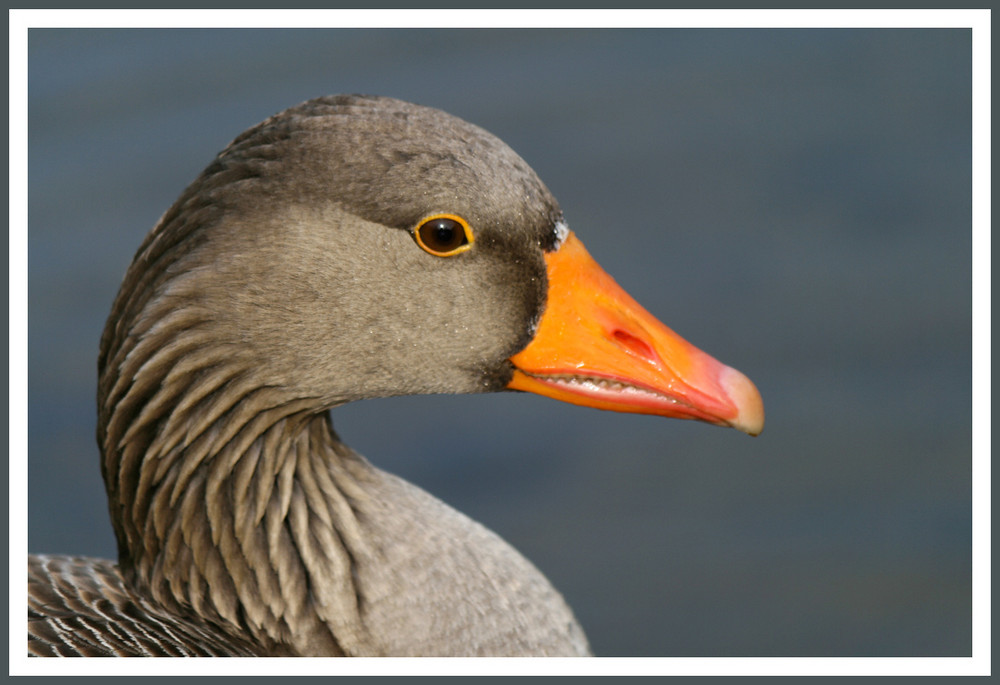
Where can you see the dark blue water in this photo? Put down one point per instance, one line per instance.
(795, 202)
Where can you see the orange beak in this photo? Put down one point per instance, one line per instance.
(597, 347)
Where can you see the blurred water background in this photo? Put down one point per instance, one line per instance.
(795, 202)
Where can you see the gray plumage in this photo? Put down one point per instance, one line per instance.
(284, 282)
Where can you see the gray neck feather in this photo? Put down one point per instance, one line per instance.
(231, 500)
(234, 502)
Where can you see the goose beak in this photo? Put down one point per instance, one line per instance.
(597, 347)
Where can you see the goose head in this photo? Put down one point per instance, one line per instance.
(356, 247)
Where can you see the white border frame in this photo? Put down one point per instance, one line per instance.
(980, 663)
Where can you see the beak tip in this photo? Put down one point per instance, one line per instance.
(747, 400)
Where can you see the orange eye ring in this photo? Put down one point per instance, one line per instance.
(444, 235)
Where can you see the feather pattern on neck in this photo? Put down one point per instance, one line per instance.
(231, 500)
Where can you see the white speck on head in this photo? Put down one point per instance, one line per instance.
(533, 326)
(562, 231)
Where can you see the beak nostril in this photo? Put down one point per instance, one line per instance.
(635, 345)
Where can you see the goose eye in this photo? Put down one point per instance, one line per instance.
(444, 235)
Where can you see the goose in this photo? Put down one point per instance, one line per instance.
(348, 247)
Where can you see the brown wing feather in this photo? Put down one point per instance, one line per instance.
(80, 607)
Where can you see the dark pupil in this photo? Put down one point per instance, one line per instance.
(442, 234)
